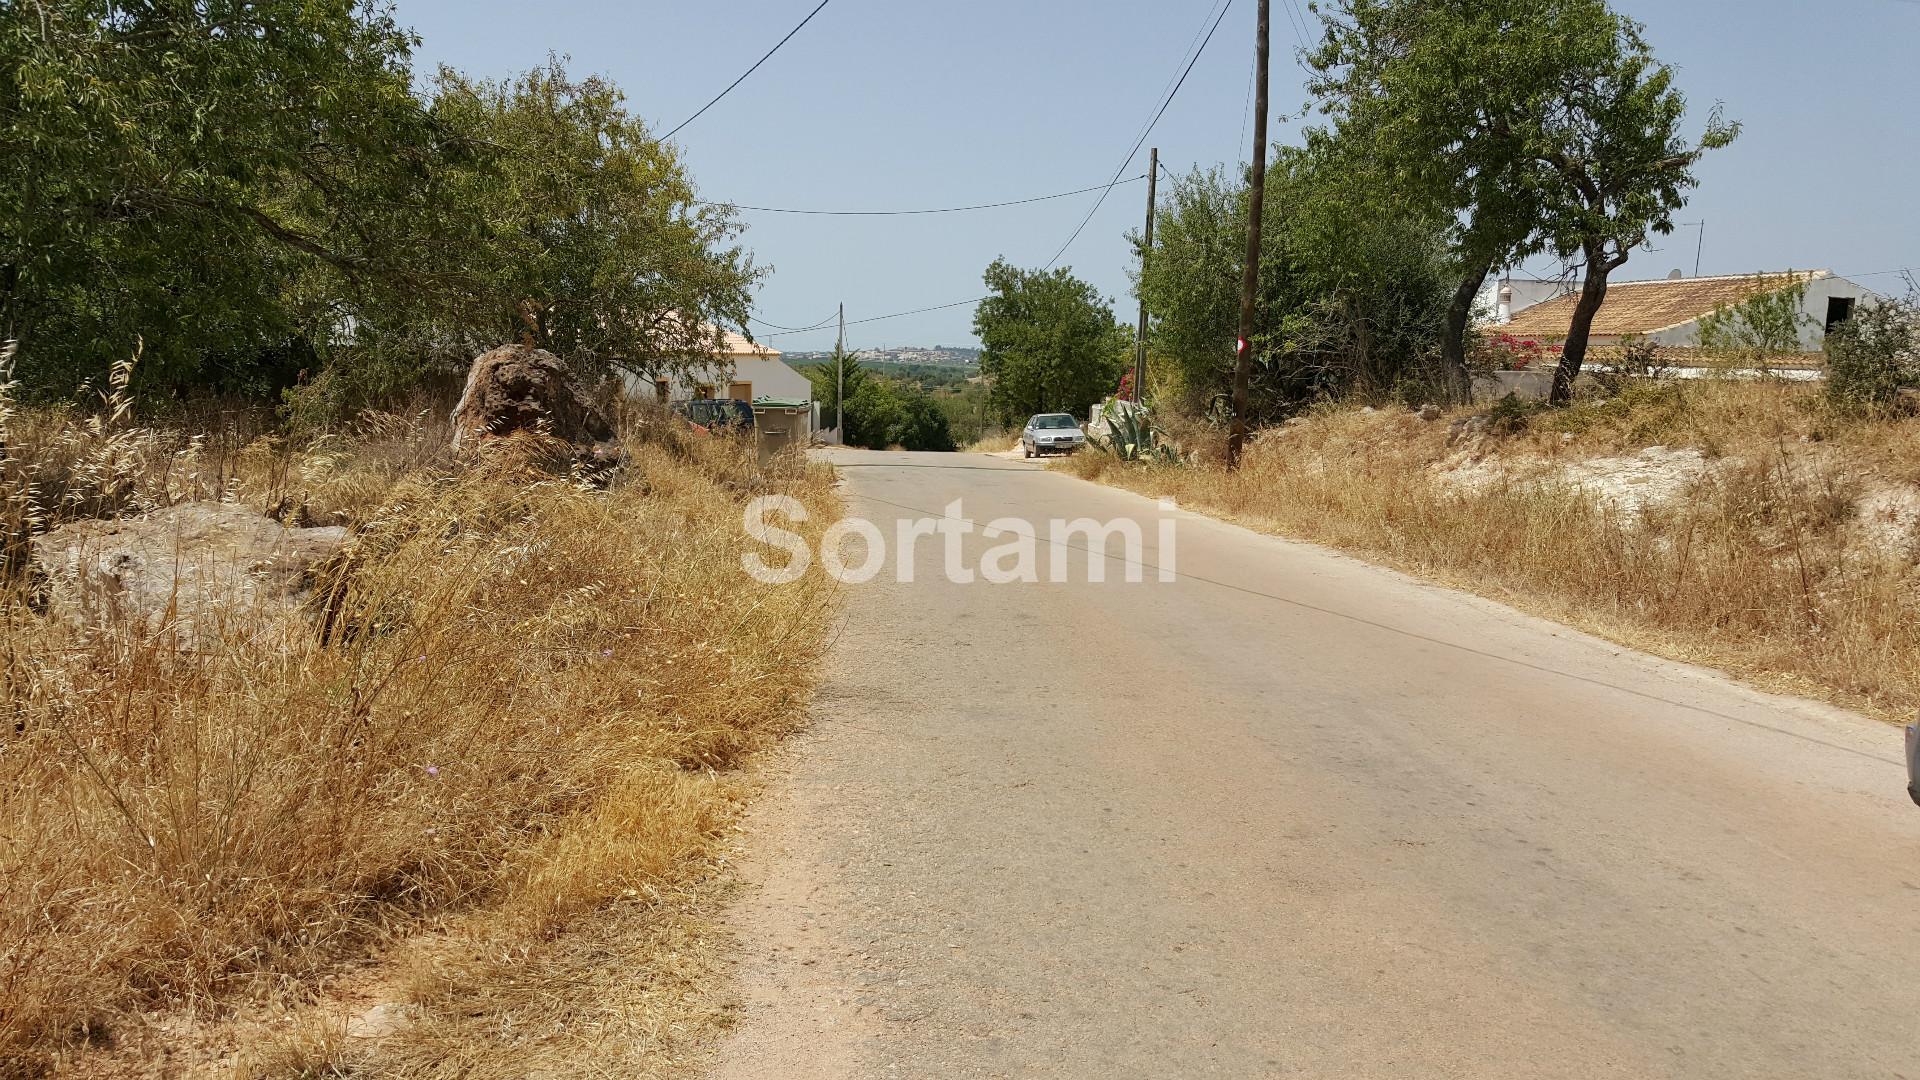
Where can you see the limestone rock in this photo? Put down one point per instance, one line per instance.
(202, 560)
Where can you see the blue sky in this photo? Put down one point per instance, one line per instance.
(888, 104)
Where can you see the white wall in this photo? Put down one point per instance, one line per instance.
(770, 376)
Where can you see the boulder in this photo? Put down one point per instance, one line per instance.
(517, 388)
(200, 559)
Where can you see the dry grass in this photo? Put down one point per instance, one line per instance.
(1765, 567)
(993, 441)
(520, 742)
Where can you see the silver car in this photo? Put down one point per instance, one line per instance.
(1052, 433)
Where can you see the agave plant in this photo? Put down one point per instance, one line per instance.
(1127, 432)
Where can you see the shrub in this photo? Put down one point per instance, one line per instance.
(1876, 354)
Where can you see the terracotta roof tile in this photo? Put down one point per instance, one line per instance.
(1643, 307)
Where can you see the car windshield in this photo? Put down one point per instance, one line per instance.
(1055, 420)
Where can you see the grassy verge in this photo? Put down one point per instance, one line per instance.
(1785, 556)
(993, 441)
(518, 751)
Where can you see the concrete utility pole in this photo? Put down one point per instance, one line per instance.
(1250, 280)
(840, 380)
(1146, 249)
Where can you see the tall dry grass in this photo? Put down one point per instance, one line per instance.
(522, 723)
(1767, 565)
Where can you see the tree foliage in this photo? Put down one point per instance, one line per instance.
(880, 413)
(250, 191)
(1767, 323)
(1540, 125)
(596, 249)
(1875, 354)
(1353, 283)
(211, 178)
(1048, 342)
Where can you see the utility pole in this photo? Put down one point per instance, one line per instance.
(840, 379)
(1250, 280)
(1146, 250)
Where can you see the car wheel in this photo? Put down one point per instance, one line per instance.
(1026, 451)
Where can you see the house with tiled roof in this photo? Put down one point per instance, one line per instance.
(742, 370)
(1669, 311)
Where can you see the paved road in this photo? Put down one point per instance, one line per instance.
(1292, 815)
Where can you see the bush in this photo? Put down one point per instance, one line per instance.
(1876, 354)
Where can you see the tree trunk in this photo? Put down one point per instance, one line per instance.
(1453, 342)
(1592, 293)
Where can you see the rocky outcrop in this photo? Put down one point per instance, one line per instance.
(517, 388)
(199, 561)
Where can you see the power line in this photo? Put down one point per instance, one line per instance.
(936, 210)
(894, 315)
(1131, 154)
(828, 321)
(1148, 130)
(743, 76)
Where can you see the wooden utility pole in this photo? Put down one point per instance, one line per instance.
(1146, 250)
(840, 379)
(1250, 279)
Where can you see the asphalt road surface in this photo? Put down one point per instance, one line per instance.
(1294, 815)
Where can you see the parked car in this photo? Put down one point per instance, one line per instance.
(717, 414)
(1052, 433)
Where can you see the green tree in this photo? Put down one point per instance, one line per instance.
(866, 424)
(1385, 73)
(592, 245)
(880, 413)
(1049, 342)
(1874, 355)
(218, 179)
(1767, 323)
(923, 423)
(1542, 125)
(1353, 289)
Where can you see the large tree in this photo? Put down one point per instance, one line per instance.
(1353, 283)
(594, 245)
(214, 178)
(1540, 124)
(250, 190)
(1048, 342)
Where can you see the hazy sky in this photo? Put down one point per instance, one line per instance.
(894, 104)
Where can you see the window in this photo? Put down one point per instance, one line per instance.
(660, 389)
(1839, 310)
(740, 391)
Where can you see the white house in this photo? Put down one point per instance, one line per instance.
(1668, 311)
(743, 371)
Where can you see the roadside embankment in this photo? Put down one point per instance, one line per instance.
(455, 809)
(1745, 526)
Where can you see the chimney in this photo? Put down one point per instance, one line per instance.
(1504, 313)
